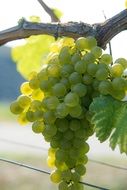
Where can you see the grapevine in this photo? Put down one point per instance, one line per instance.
(60, 102)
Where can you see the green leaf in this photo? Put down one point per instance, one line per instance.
(110, 121)
(32, 55)
(57, 12)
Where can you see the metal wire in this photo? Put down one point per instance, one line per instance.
(45, 149)
(44, 171)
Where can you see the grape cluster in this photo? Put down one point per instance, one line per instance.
(56, 100)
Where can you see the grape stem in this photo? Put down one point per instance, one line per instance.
(103, 32)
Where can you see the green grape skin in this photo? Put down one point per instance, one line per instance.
(92, 69)
(16, 108)
(75, 78)
(61, 155)
(50, 130)
(66, 70)
(80, 168)
(87, 79)
(81, 133)
(45, 85)
(62, 124)
(49, 117)
(36, 105)
(83, 149)
(30, 116)
(62, 110)
(118, 94)
(71, 99)
(91, 42)
(81, 43)
(75, 111)
(38, 126)
(42, 75)
(65, 81)
(59, 90)
(53, 70)
(118, 83)
(24, 101)
(106, 59)
(78, 142)
(34, 83)
(116, 70)
(95, 84)
(80, 67)
(96, 51)
(80, 89)
(55, 176)
(25, 89)
(89, 58)
(122, 61)
(68, 134)
(65, 144)
(52, 102)
(38, 114)
(75, 124)
(64, 55)
(75, 58)
(105, 87)
(63, 186)
(75, 177)
(82, 159)
(66, 175)
(53, 80)
(102, 74)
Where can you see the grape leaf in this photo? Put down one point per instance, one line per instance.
(32, 55)
(110, 121)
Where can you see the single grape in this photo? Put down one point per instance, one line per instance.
(59, 89)
(118, 83)
(87, 79)
(75, 124)
(62, 110)
(49, 117)
(116, 70)
(63, 186)
(102, 74)
(16, 108)
(61, 155)
(66, 175)
(62, 124)
(81, 43)
(75, 176)
(52, 102)
(66, 70)
(45, 85)
(25, 89)
(71, 99)
(92, 69)
(91, 42)
(96, 51)
(80, 89)
(24, 101)
(38, 126)
(80, 168)
(75, 111)
(55, 176)
(64, 55)
(75, 58)
(53, 70)
(106, 59)
(30, 116)
(80, 67)
(122, 61)
(105, 87)
(89, 58)
(34, 83)
(75, 78)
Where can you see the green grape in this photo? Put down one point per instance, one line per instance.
(55, 176)
(30, 116)
(106, 59)
(65, 81)
(80, 67)
(91, 42)
(75, 111)
(102, 74)
(82, 159)
(81, 43)
(68, 134)
(62, 125)
(34, 83)
(54, 143)
(75, 58)
(24, 101)
(45, 85)
(53, 80)
(83, 149)
(71, 99)
(49, 117)
(61, 155)
(64, 55)
(89, 58)
(59, 89)
(78, 142)
(87, 79)
(75, 177)
(92, 69)
(25, 89)
(38, 126)
(51, 152)
(51, 162)
(81, 133)
(66, 175)
(80, 89)
(118, 94)
(96, 51)
(63, 186)
(116, 70)
(66, 70)
(75, 124)
(52, 102)
(16, 108)
(80, 168)
(36, 105)
(105, 87)
(50, 130)
(122, 61)
(38, 114)
(62, 110)
(42, 75)
(75, 78)
(118, 83)
(73, 153)
(65, 144)
(53, 70)
(95, 84)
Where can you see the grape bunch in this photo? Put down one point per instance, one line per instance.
(56, 100)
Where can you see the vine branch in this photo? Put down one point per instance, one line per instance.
(50, 12)
(103, 32)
